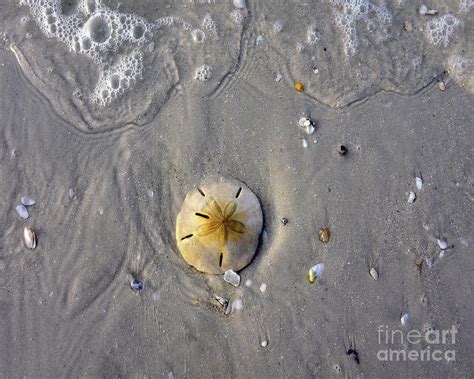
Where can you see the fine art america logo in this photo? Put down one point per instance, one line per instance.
(415, 345)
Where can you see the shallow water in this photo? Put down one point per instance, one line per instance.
(67, 308)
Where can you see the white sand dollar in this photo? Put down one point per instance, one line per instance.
(219, 226)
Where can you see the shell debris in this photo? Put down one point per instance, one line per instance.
(299, 87)
(22, 211)
(324, 235)
(27, 201)
(305, 143)
(404, 319)
(263, 288)
(232, 277)
(315, 272)
(441, 86)
(374, 274)
(279, 77)
(411, 197)
(419, 183)
(29, 237)
(443, 245)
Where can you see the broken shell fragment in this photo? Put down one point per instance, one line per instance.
(26, 201)
(342, 150)
(239, 4)
(305, 143)
(219, 226)
(423, 10)
(419, 183)
(432, 12)
(404, 318)
(299, 87)
(284, 221)
(22, 211)
(411, 197)
(324, 235)
(232, 277)
(443, 245)
(374, 274)
(442, 86)
(29, 237)
(315, 272)
(264, 343)
(279, 77)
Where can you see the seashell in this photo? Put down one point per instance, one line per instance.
(373, 273)
(310, 129)
(219, 226)
(442, 244)
(237, 305)
(419, 183)
(240, 4)
(278, 77)
(305, 143)
(423, 10)
(432, 12)
(315, 272)
(136, 285)
(71, 193)
(324, 235)
(442, 86)
(264, 343)
(263, 287)
(29, 237)
(404, 318)
(26, 201)
(22, 211)
(299, 87)
(302, 120)
(411, 197)
(232, 277)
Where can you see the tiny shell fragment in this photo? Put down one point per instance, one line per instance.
(305, 143)
(432, 12)
(411, 197)
(29, 237)
(419, 183)
(423, 10)
(299, 87)
(443, 245)
(22, 211)
(404, 318)
(232, 277)
(278, 77)
(324, 235)
(26, 201)
(374, 274)
(263, 287)
(442, 86)
(315, 272)
(264, 343)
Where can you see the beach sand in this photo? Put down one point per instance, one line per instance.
(66, 307)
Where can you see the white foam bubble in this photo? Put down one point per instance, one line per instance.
(348, 12)
(440, 30)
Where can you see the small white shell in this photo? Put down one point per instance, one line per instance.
(264, 343)
(22, 211)
(423, 10)
(263, 287)
(310, 129)
(411, 197)
(404, 318)
(237, 305)
(278, 77)
(29, 237)
(315, 272)
(442, 244)
(442, 86)
(373, 273)
(419, 183)
(432, 12)
(26, 201)
(232, 277)
(301, 121)
(305, 143)
(71, 193)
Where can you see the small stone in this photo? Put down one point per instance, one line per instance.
(136, 285)
(324, 235)
(232, 277)
(22, 211)
(263, 287)
(342, 150)
(374, 274)
(278, 77)
(315, 70)
(442, 86)
(264, 343)
(299, 87)
(284, 221)
(423, 10)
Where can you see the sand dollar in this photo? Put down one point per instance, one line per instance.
(219, 226)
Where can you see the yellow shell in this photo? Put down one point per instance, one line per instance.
(219, 226)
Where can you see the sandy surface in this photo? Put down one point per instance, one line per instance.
(67, 309)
